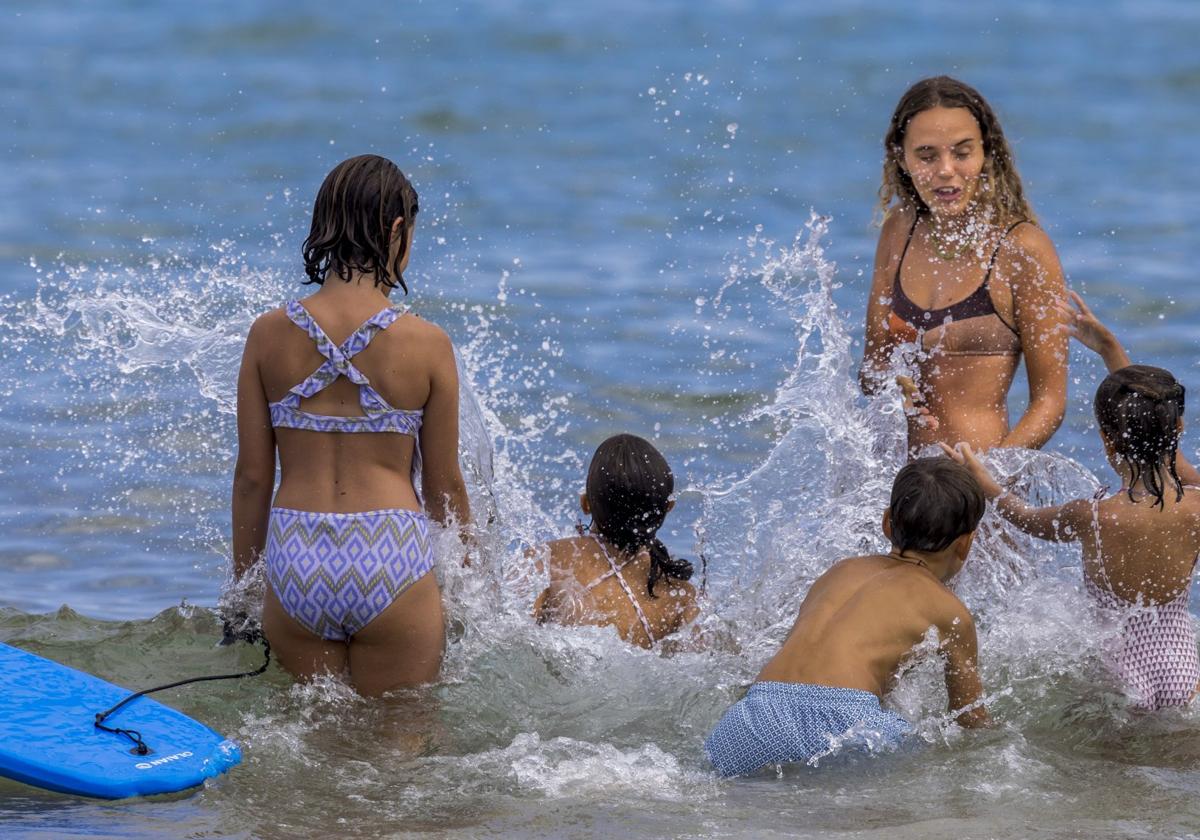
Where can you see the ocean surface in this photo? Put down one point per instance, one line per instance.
(653, 218)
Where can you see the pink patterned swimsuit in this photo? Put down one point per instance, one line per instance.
(1155, 657)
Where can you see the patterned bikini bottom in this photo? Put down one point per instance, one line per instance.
(335, 572)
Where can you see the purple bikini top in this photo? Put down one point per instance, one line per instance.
(377, 415)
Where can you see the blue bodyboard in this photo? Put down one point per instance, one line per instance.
(48, 738)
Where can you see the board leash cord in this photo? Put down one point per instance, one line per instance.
(139, 746)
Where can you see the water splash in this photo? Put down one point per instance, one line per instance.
(142, 371)
(819, 495)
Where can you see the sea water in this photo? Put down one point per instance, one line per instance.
(646, 219)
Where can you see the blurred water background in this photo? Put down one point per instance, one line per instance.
(648, 218)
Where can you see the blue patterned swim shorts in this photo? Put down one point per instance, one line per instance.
(778, 722)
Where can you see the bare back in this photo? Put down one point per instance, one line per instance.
(341, 472)
(1137, 551)
(862, 618)
(584, 590)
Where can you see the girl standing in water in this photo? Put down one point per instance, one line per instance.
(965, 282)
(359, 397)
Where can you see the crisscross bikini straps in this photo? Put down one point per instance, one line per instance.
(377, 415)
(338, 357)
(615, 571)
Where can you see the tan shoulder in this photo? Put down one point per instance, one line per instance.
(433, 342)
(271, 319)
(847, 571)
(897, 223)
(569, 551)
(951, 613)
(267, 326)
(569, 543)
(1029, 238)
(1075, 515)
(426, 330)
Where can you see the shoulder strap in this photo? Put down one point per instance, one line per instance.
(338, 356)
(335, 364)
(904, 252)
(615, 571)
(996, 251)
(599, 580)
(1096, 499)
(302, 319)
(613, 568)
(362, 336)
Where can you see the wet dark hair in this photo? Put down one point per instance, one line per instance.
(352, 222)
(1006, 195)
(1138, 409)
(629, 486)
(934, 502)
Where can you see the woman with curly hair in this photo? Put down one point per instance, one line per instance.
(965, 282)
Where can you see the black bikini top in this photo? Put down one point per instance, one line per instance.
(945, 327)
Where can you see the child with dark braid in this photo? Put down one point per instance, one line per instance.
(617, 573)
(1140, 544)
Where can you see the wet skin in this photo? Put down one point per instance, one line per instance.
(964, 397)
(412, 365)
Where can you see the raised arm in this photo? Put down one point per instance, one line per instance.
(960, 647)
(254, 474)
(1037, 286)
(442, 483)
(1079, 321)
(1061, 523)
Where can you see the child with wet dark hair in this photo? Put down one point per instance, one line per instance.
(1139, 544)
(857, 627)
(617, 573)
(1080, 322)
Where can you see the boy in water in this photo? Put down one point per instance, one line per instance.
(857, 625)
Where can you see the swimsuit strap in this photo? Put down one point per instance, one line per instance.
(904, 253)
(338, 356)
(976, 304)
(1111, 591)
(604, 577)
(995, 251)
(1096, 498)
(613, 568)
(991, 262)
(615, 571)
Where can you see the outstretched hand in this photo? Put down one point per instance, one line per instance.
(963, 454)
(238, 626)
(1079, 321)
(914, 403)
